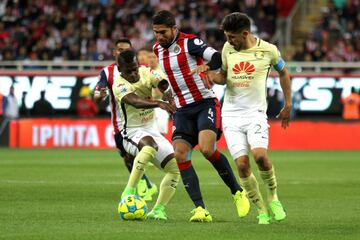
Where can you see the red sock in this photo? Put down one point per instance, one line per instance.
(215, 157)
(184, 165)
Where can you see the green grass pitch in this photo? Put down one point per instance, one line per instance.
(73, 194)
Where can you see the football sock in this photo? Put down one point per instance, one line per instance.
(252, 189)
(141, 160)
(129, 162)
(169, 183)
(222, 166)
(269, 179)
(191, 183)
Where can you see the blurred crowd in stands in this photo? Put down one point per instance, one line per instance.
(85, 30)
(336, 37)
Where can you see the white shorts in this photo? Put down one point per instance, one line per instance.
(244, 133)
(161, 120)
(134, 135)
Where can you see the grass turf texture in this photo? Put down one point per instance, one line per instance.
(73, 194)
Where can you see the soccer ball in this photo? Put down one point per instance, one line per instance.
(132, 207)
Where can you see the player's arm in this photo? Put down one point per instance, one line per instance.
(285, 84)
(165, 89)
(138, 102)
(217, 77)
(101, 89)
(198, 48)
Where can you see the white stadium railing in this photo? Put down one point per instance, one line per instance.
(95, 66)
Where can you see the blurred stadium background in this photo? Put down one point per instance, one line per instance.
(58, 47)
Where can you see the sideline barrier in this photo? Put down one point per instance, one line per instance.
(97, 133)
(313, 94)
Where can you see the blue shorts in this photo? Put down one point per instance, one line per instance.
(195, 117)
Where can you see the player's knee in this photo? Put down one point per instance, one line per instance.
(180, 155)
(243, 165)
(261, 160)
(207, 152)
(148, 141)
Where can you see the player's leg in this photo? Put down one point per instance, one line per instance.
(190, 180)
(183, 142)
(267, 173)
(147, 149)
(258, 138)
(165, 160)
(207, 143)
(251, 186)
(144, 184)
(209, 123)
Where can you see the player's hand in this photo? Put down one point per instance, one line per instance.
(284, 115)
(103, 92)
(167, 96)
(200, 69)
(167, 107)
(206, 77)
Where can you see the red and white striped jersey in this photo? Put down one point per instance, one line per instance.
(106, 80)
(185, 53)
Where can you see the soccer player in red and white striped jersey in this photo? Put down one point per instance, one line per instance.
(106, 80)
(197, 119)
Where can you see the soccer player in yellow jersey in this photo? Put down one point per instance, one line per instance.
(246, 63)
(133, 92)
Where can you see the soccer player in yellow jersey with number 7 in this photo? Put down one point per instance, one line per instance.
(246, 63)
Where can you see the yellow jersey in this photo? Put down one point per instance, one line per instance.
(131, 116)
(247, 72)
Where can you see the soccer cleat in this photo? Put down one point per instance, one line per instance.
(142, 188)
(264, 218)
(278, 210)
(200, 215)
(150, 192)
(158, 213)
(242, 203)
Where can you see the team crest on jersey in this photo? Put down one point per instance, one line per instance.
(177, 49)
(122, 88)
(259, 55)
(246, 67)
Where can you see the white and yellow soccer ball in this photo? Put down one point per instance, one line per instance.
(132, 207)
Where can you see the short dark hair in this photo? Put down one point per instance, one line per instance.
(126, 57)
(236, 22)
(164, 17)
(122, 40)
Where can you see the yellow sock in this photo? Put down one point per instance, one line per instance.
(252, 189)
(141, 160)
(270, 183)
(169, 182)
